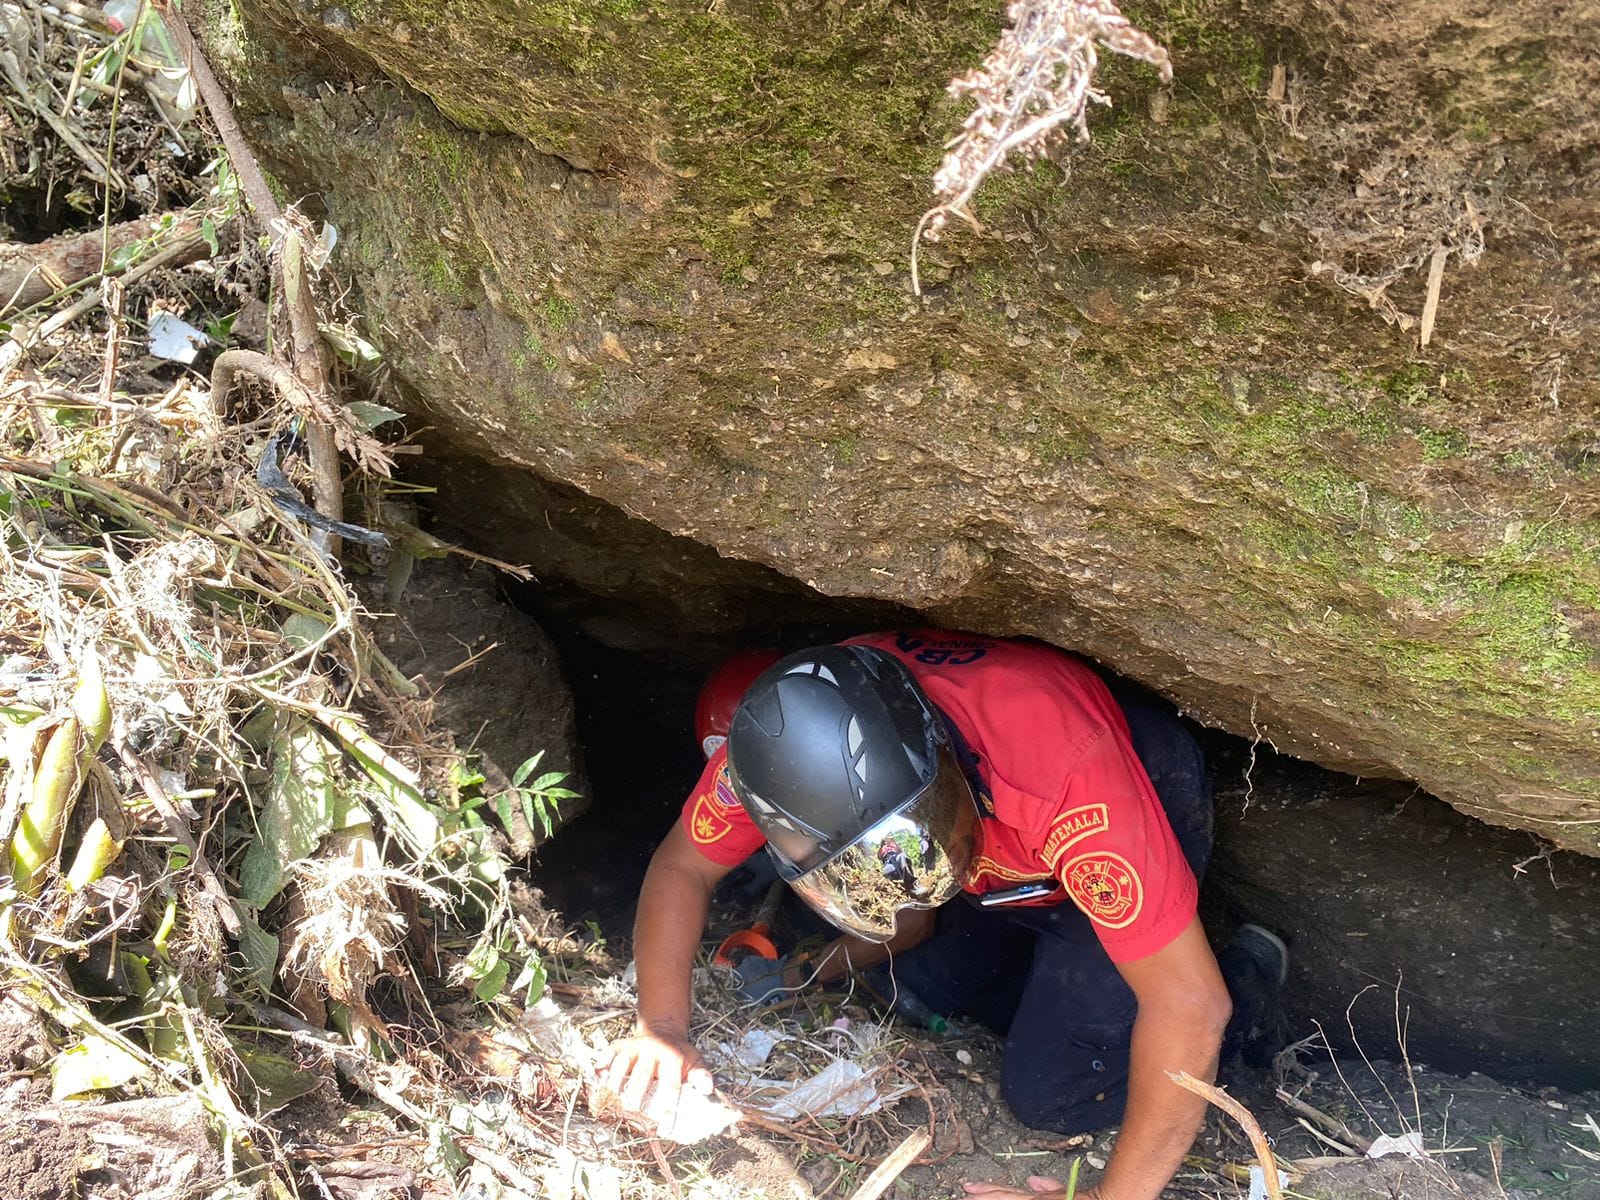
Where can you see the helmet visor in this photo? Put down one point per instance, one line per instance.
(916, 857)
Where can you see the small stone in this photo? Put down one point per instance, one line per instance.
(337, 18)
(749, 274)
(883, 268)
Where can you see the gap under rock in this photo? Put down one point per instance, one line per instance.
(1378, 887)
(1390, 899)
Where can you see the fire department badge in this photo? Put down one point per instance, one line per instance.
(707, 823)
(1105, 887)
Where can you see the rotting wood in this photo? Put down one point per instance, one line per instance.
(23, 337)
(33, 273)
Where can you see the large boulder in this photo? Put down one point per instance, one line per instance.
(1174, 411)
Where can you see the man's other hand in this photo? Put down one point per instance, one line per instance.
(666, 1058)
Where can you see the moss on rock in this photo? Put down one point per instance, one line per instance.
(659, 252)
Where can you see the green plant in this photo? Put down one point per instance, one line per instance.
(539, 801)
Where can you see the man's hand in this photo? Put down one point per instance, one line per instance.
(1039, 1188)
(666, 1058)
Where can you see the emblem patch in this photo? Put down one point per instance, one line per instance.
(1105, 887)
(1072, 827)
(724, 789)
(707, 823)
(983, 865)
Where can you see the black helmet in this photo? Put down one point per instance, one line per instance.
(836, 751)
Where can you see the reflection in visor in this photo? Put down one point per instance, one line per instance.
(916, 857)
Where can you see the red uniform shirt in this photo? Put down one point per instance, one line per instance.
(1067, 798)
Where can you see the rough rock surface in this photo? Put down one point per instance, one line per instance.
(495, 678)
(1172, 412)
(1402, 913)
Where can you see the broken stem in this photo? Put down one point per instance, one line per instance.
(1241, 1114)
(307, 355)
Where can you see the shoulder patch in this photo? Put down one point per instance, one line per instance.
(1071, 827)
(1106, 888)
(707, 822)
(985, 867)
(724, 789)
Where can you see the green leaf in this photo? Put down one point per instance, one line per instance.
(93, 1065)
(533, 811)
(301, 629)
(208, 230)
(271, 1081)
(299, 810)
(531, 979)
(221, 329)
(546, 781)
(525, 769)
(356, 351)
(392, 786)
(492, 984)
(372, 415)
(464, 777)
(504, 810)
(259, 949)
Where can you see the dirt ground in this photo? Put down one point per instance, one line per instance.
(1545, 1146)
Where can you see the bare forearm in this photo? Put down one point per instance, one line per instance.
(1161, 1119)
(845, 954)
(666, 933)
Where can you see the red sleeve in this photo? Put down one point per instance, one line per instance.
(1113, 850)
(714, 819)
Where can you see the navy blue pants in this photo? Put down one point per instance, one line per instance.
(1039, 977)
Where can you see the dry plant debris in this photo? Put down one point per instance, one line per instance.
(242, 859)
(1031, 95)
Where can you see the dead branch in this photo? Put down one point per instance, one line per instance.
(898, 1159)
(308, 356)
(1329, 1124)
(179, 829)
(1241, 1114)
(24, 337)
(30, 274)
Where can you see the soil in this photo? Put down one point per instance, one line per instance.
(495, 677)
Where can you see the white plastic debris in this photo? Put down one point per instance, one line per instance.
(551, 1033)
(696, 1118)
(752, 1050)
(1408, 1144)
(840, 1089)
(319, 254)
(174, 339)
(1258, 1182)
